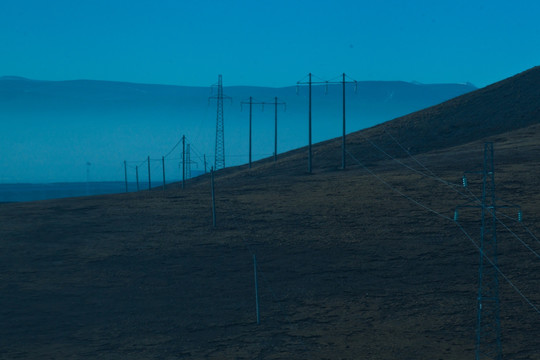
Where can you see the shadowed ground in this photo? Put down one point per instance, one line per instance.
(348, 267)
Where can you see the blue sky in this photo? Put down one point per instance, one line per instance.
(268, 43)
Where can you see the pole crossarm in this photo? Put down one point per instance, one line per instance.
(247, 102)
(328, 82)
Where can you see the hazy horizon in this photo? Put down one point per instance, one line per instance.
(265, 44)
(53, 129)
(268, 43)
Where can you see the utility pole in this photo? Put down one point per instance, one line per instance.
(125, 175)
(343, 82)
(256, 289)
(163, 166)
(276, 103)
(250, 113)
(309, 83)
(488, 323)
(219, 158)
(137, 176)
(149, 179)
(183, 161)
(309, 125)
(213, 197)
(188, 161)
(343, 141)
(251, 103)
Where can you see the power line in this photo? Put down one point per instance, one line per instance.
(452, 186)
(536, 309)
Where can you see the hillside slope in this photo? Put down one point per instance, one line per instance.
(359, 264)
(504, 106)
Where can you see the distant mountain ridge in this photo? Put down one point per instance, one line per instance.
(95, 91)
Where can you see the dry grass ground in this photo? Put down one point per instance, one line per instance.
(348, 268)
(350, 265)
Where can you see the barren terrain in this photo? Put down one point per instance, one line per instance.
(363, 263)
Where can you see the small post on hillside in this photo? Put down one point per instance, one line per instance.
(163, 166)
(183, 161)
(149, 179)
(137, 176)
(213, 197)
(204, 159)
(256, 289)
(125, 175)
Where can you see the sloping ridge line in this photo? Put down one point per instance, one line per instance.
(507, 105)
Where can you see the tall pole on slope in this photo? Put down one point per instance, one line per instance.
(250, 122)
(163, 167)
(183, 161)
(276, 103)
(149, 179)
(343, 165)
(137, 176)
(125, 175)
(488, 323)
(309, 126)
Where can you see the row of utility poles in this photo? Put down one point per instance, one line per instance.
(186, 170)
(276, 103)
(344, 81)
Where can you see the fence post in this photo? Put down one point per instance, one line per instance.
(256, 289)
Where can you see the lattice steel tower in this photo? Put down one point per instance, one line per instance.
(219, 158)
(488, 321)
(488, 326)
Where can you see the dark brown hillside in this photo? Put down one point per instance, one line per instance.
(508, 105)
(350, 267)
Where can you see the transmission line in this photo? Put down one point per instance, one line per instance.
(518, 291)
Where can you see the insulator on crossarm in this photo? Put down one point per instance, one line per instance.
(456, 215)
(520, 216)
(464, 181)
